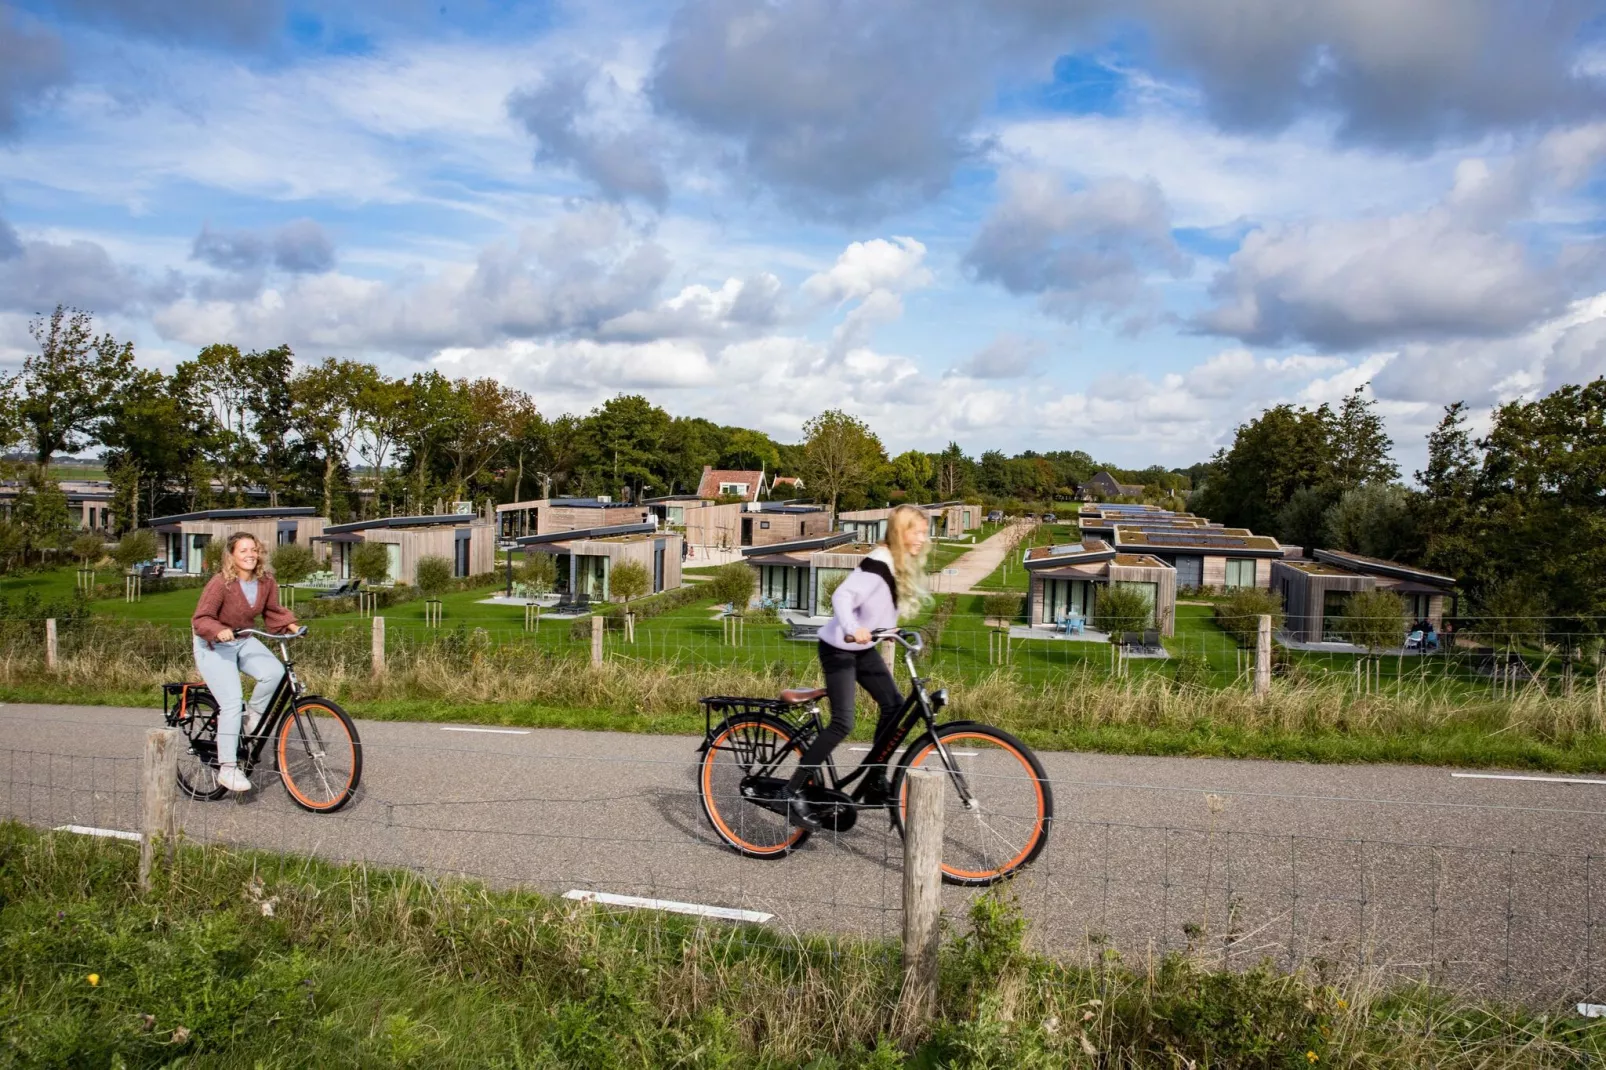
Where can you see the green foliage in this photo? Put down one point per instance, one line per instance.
(1193, 670)
(212, 556)
(1302, 521)
(63, 388)
(40, 513)
(1003, 607)
(539, 572)
(1121, 608)
(613, 615)
(1238, 612)
(1377, 520)
(733, 583)
(828, 588)
(1509, 613)
(434, 574)
(89, 548)
(840, 455)
(135, 546)
(293, 562)
(370, 562)
(629, 580)
(1374, 620)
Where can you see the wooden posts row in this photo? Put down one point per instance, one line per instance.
(132, 588)
(158, 789)
(532, 616)
(432, 612)
(733, 630)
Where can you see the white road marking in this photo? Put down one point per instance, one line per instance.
(1592, 1010)
(955, 753)
(493, 731)
(1540, 779)
(668, 905)
(90, 830)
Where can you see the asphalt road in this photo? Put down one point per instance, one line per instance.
(1484, 883)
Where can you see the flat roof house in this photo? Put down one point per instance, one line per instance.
(729, 482)
(183, 537)
(736, 525)
(1222, 558)
(1314, 592)
(944, 520)
(1065, 581)
(586, 559)
(670, 509)
(953, 519)
(467, 540)
(89, 501)
(788, 571)
(542, 516)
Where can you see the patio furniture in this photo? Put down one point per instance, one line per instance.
(1151, 638)
(1414, 641)
(1131, 640)
(797, 630)
(344, 591)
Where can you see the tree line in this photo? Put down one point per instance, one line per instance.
(229, 425)
(1517, 516)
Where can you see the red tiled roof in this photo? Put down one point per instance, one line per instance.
(708, 486)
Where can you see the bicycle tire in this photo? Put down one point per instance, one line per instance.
(1007, 769)
(745, 826)
(314, 777)
(197, 763)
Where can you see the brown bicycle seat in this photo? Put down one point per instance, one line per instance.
(797, 695)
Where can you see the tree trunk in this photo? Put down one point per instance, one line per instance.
(518, 484)
(328, 485)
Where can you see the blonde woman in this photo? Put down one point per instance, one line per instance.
(888, 584)
(231, 601)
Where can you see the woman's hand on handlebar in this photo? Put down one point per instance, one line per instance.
(861, 636)
(225, 635)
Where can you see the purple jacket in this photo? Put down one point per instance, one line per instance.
(863, 600)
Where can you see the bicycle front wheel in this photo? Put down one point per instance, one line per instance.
(744, 766)
(1006, 823)
(318, 754)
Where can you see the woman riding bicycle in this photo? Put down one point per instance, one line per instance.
(888, 584)
(242, 590)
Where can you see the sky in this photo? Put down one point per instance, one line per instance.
(1121, 227)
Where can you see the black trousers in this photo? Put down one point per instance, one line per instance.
(845, 670)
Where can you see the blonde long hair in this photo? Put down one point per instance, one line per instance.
(908, 567)
(227, 565)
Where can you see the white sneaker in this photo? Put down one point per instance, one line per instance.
(229, 776)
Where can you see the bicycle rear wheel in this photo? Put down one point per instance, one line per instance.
(318, 755)
(740, 765)
(197, 762)
(1008, 824)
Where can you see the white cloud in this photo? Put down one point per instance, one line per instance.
(867, 266)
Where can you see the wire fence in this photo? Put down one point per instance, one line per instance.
(1488, 887)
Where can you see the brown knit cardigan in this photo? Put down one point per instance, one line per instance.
(223, 605)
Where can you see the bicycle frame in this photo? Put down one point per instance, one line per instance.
(280, 706)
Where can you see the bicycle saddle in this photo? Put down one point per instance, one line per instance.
(797, 695)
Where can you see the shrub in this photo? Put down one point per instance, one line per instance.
(1001, 607)
(293, 563)
(613, 616)
(89, 548)
(828, 588)
(1120, 608)
(136, 546)
(629, 580)
(212, 556)
(1374, 620)
(733, 583)
(1238, 614)
(370, 562)
(539, 572)
(1193, 670)
(434, 574)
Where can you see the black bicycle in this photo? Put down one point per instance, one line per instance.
(997, 817)
(315, 746)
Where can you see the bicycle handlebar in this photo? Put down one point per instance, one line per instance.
(297, 634)
(909, 639)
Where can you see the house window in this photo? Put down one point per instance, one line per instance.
(733, 488)
(1240, 573)
(765, 524)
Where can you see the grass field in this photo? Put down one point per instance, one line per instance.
(254, 959)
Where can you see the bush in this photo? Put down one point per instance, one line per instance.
(1120, 608)
(212, 557)
(828, 588)
(370, 562)
(1238, 614)
(89, 548)
(136, 546)
(1003, 607)
(1193, 670)
(293, 563)
(733, 583)
(434, 574)
(629, 580)
(1374, 620)
(539, 572)
(613, 616)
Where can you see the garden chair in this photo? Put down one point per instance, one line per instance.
(1151, 638)
(1414, 641)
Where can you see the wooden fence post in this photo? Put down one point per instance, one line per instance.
(159, 776)
(1263, 657)
(596, 639)
(50, 644)
(922, 897)
(379, 646)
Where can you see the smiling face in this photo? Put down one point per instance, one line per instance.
(245, 555)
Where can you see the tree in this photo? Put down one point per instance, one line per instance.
(1376, 520)
(216, 384)
(839, 454)
(539, 572)
(1360, 447)
(40, 513)
(135, 547)
(152, 436)
(268, 375)
(912, 472)
(381, 413)
(1303, 518)
(620, 444)
(1001, 608)
(434, 574)
(475, 429)
(1271, 457)
(89, 548)
(1120, 607)
(63, 387)
(1373, 620)
(954, 472)
(629, 580)
(743, 450)
(370, 562)
(1449, 486)
(327, 402)
(212, 556)
(293, 562)
(733, 583)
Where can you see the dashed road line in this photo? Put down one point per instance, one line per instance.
(668, 905)
(90, 830)
(492, 731)
(1538, 779)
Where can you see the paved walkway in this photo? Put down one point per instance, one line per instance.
(979, 563)
(1493, 884)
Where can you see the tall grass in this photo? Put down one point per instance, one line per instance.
(462, 674)
(242, 959)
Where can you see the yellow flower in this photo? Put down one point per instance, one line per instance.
(1312, 1056)
(93, 979)
(1343, 1006)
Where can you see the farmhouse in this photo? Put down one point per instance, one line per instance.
(183, 537)
(467, 540)
(730, 483)
(1314, 592)
(1065, 581)
(1104, 485)
(586, 559)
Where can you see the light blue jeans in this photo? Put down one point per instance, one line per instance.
(221, 665)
